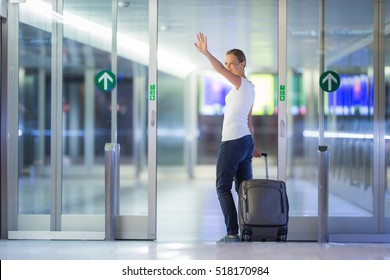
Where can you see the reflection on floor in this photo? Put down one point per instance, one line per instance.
(84, 194)
(189, 222)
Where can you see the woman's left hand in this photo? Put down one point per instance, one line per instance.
(256, 153)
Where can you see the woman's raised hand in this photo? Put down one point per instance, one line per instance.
(202, 43)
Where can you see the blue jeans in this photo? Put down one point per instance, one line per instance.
(234, 163)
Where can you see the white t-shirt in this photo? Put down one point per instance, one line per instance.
(238, 104)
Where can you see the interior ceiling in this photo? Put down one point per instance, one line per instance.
(250, 25)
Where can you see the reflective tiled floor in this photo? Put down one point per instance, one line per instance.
(143, 250)
(188, 224)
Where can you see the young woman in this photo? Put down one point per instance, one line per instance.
(234, 162)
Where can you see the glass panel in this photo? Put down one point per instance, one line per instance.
(34, 112)
(87, 118)
(171, 134)
(302, 88)
(350, 109)
(86, 109)
(133, 56)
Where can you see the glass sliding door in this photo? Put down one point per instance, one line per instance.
(355, 119)
(86, 117)
(302, 115)
(352, 115)
(64, 119)
(191, 104)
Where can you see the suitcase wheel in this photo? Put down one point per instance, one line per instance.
(246, 235)
(282, 235)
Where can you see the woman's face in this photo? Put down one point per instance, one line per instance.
(233, 64)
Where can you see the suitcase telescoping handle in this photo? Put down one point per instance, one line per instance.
(265, 155)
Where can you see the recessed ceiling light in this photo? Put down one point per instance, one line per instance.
(164, 27)
(124, 4)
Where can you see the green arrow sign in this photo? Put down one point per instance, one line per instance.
(329, 81)
(105, 80)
